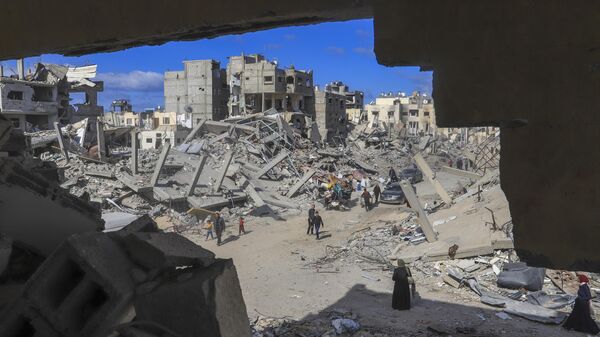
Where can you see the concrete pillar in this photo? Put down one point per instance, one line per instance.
(134, 151)
(160, 163)
(100, 138)
(21, 68)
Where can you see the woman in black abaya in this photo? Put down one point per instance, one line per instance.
(580, 318)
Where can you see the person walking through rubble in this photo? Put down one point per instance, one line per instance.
(367, 198)
(311, 218)
(376, 193)
(318, 223)
(241, 227)
(580, 318)
(209, 230)
(219, 227)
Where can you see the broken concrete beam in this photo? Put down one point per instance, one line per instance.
(197, 173)
(420, 161)
(101, 140)
(163, 251)
(163, 195)
(195, 130)
(159, 163)
(415, 204)
(131, 182)
(270, 138)
(220, 127)
(61, 141)
(208, 300)
(134, 151)
(461, 253)
(462, 173)
(298, 185)
(223, 170)
(276, 202)
(251, 191)
(214, 202)
(270, 165)
(101, 174)
(360, 164)
(38, 213)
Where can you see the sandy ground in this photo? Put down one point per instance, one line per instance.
(272, 264)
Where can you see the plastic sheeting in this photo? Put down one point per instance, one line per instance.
(518, 275)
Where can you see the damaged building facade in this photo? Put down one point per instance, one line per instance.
(330, 112)
(258, 84)
(415, 112)
(39, 99)
(200, 91)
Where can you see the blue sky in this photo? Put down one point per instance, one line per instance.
(334, 51)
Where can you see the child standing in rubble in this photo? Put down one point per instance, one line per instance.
(209, 230)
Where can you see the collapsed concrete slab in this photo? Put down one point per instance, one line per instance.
(94, 282)
(212, 294)
(39, 213)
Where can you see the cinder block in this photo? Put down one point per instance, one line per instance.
(84, 287)
(24, 321)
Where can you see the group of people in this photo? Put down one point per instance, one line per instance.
(218, 225)
(315, 222)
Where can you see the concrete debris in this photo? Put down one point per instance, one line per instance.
(518, 275)
(94, 282)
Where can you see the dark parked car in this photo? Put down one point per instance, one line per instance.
(414, 175)
(392, 194)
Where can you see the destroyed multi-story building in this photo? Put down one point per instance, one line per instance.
(415, 112)
(330, 112)
(39, 99)
(199, 91)
(355, 100)
(257, 85)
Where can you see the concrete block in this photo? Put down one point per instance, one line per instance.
(83, 288)
(166, 251)
(207, 300)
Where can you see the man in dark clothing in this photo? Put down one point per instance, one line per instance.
(367, 198)
(318, 223)
(402, 282)
(311, 217)
(393, 176)
(219, 227)
(377, 192)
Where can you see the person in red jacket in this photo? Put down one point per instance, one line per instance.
(241, 229)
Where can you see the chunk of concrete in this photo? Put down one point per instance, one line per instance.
(207, 300)
(39, 213)
(166, 251)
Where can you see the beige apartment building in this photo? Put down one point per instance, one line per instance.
(414, 112)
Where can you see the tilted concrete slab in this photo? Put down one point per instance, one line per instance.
(462, 173)
(271, 164)
(194, 131)
(298, 185)
(197, 172)
(415, 204)
(159, 163)
(420, 161)
(223, 169)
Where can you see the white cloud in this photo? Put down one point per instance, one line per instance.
(363, 33)
(336, 50)
(135, 80)
(364, 51)
(289, 37)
